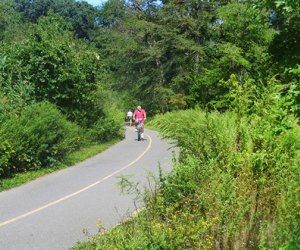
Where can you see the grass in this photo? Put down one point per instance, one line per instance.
(75, 157)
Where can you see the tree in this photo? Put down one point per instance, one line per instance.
(241, 36)
(61, 69)
(156, 51)
(11, 23)
(81, 15)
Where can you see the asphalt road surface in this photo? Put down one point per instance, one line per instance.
(53, 211)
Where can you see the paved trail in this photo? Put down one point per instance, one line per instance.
(52, 212)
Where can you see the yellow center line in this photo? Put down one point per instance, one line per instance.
(79, 191)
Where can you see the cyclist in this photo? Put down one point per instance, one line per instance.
(140, 115)
(129, 117)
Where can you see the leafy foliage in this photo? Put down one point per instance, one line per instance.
(61, 69)
(80, 14)
(47, 63)
(40, 137)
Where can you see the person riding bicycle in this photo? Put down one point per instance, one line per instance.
(129, 117)
(139, 115)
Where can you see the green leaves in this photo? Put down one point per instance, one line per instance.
(40, 137)
(241, 168)
(288, 5)
(81, 15)
(62, 69)
(7, 154)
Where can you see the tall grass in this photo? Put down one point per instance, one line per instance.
(234, 186)
(241, 172)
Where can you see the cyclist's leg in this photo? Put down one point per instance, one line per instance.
(135, 123)
(127, 120)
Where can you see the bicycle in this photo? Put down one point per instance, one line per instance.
(139, 125)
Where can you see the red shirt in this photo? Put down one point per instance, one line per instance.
(139, 115)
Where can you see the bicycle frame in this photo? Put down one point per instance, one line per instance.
(139, 127)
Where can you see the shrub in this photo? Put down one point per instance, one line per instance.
(40, 137)
(108, 127)
(7, 154)
(243, 170)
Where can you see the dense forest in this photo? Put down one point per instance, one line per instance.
(222, 73)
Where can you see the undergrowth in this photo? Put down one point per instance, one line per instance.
(234, 186)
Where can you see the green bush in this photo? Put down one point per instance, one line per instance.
(40, 137)
(244, 171)
(7, 154)
(108, 127)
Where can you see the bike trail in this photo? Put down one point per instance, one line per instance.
(53, 211)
